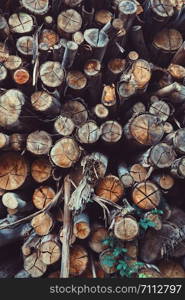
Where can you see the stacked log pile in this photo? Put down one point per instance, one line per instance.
(92, 138)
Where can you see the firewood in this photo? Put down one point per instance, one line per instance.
(48, 37)
(25, 45)
(138, 172)
(30, 244)
(45, 103)
(109, 99)
(164, 180)
(160, 109)
(78, 260)
(4, 52)
(111, 132)
(64, 125)
(42, 196)
(105, 267)
(34, 265)
(13, 62)
(127, 11)
(36, 7)
(115, 67)
(4, 140)
(125, 176)
(81, 227)
(76, 110)
(65, 152)
(146, 195)
(126, 228)
(18, 141)
(21, 76)
(178, 141)
(102, 17)
(138, 41)
(42, 224)
(51, 74)
(21, 23)
(68, 22)
(88, 133)
(87, 14)
(110, 188)
(49, 250)
(176, 71)
(69, 54)
(3, 74)
(13, 171)
(39, 142)
(155, 218)
(13, 201)
(98, 234)
(178, 58)
(92, 70)
(78, 37)
(171, 269)
(101, 113)
(178, 168)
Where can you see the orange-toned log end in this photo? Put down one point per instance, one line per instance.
(21, 76)
(96, 239)
(41, 170)
(126, 228)
(78, 260)
(34, 266)
(171, 269)
(110, 188)
(42, 224)
(42, 196)
(146, 195)
(81, 230)
(49, 252)
(138, 172)
(13, 171)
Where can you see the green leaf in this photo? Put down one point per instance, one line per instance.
(122, 273)
(142, 275)
(157, 211)
(109, 260)
(146, 223)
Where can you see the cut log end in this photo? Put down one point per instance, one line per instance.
(42, 196)
(111, 131)
(78, 260)
(126, 228)
(42, 224)
(110, 188)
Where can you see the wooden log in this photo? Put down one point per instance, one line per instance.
(178, 168)
(45, 103)
(78, 37)
(4, 52)
(78, 260)
(72, 237)
(141, 71)
(21, 77)
(21, 23)
(165, 45)
(101, 113)
(68, 22)
(115, 67)
(114, 28)
(52, 74)
(42, 196)
(13, 201)
(48, 21)
(126, 90)
(13, 62)
(34, 266)
(179, 141)
(146, 195)
(175, 90)
(179, 56)
(31, 244)
(125, 175)
(155, 218)
(88, 133)
(161, 109)
(171, 269)
(37, 7)
(138, 41)
(109, 98)
(49, 249)
(13, 171)
(176, 71)
(39, 142)
(102, 17)
(111, 132)
(42, 224)
(69, 54)
(18, 141)
(24, 45)
(110, 188)
(48, 37)
(159, 156)
(145, 129)
(76, 110)
(76, 81)
(126, 228)
(58, 50)
(81, 227)
(11, 102)
(127, 12)
(4, 28)
(108, 253)
(98, 40)
(65, 153)
(168, 127)
(4, 140)
(138, 172)
(64, 125)
(164, 180)
(97, 236)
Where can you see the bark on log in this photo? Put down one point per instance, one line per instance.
(81, 226)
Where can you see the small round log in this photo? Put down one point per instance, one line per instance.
(161, 109)
(110, 188)
(155, 218)
(146, 195)
(52, 74)
(21, 23)
(4, 52)
(127, 12)
(37, 7)
(65, 153)
(141, 71)
(39, 142)
(45, 103)
(75, 110)
(101, 113)
(69, 54)
(78, 37)
(4, 140)
(126, 90)
(21, 76)
(176, 71)
(161, 155)
(125, 176)
(48, 37)
(64, 125)
(76, 81)
(13, 62)
(18, 141)
(25, 45)
(145, 129)
(34, 266)
(179, 141)
(42, 196)
(68, 22)
(78, 260)
(13, 201)
(42, 224)
(41, 170)
(13, 171)
(102, 258)
(81, 226)
(88, 133)
(168, 128)
(102, 17)
(138, 172)
(49, 250)
(126, 228)
(115, 67)
(109, 98)
(111, 132)
(164, 180)
(178, 168)
(97, 236)
(171, 269)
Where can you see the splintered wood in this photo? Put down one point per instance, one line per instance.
(92, 138)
